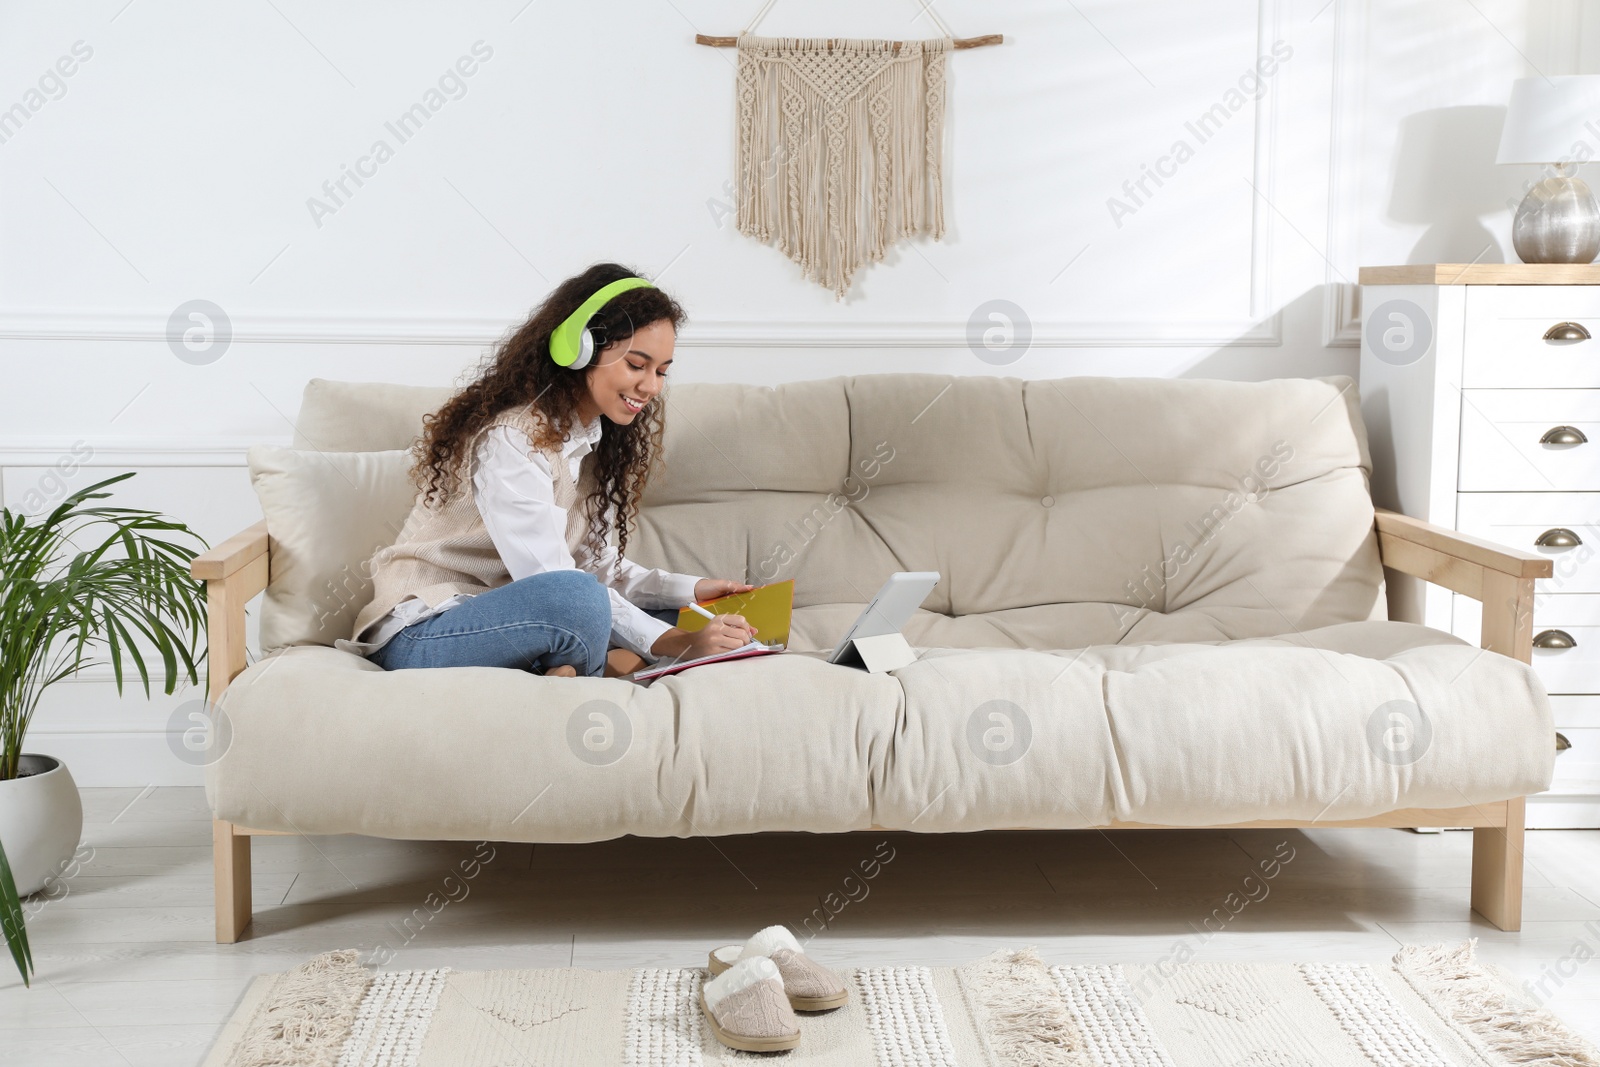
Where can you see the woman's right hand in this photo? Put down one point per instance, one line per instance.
(721, 634)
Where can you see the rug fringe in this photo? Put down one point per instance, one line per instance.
(1028, 1021)
(1450, 978)
(308, 1015)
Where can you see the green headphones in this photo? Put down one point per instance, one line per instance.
(572, 344)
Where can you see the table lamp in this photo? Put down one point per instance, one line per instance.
(1555, 121)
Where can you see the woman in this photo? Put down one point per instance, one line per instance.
(522, 476)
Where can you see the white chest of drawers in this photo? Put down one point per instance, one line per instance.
(1480, 387)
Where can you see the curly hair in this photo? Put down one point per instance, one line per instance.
(520, 373)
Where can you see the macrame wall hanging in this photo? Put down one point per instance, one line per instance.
(840, 145)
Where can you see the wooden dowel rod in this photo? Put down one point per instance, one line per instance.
(960, 42)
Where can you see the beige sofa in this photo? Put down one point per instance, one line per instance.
(1163, 604)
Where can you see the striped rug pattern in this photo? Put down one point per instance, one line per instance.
(1428, 1007)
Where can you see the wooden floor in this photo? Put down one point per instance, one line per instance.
(128, 972)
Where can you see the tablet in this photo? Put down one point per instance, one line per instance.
(891, 608)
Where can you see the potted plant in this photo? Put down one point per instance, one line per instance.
(72, 581)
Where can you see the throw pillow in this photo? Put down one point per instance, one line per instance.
(327, 513)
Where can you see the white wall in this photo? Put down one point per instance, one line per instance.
(176, 163)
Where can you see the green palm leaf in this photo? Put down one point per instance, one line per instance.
(11, 920)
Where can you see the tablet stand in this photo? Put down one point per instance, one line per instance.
(876, 655)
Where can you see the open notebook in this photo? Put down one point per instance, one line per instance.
(768, 608)
(665, 667)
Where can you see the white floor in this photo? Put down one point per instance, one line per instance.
(128, 972)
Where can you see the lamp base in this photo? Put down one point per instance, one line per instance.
(1557, 222)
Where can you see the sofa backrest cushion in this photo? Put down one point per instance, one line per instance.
(364, 416)
(1187, 508)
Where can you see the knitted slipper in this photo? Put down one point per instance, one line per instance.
(746, 1008)
(809, 985)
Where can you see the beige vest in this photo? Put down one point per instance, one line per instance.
(444, 550)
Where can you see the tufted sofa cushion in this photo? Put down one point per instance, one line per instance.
(1060, 513)
(1182, 734)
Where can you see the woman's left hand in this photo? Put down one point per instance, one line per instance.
(711, 588)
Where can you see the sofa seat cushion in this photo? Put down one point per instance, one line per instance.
(819, 627)
(1341, 722)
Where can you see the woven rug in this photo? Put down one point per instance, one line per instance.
(1429, 1007)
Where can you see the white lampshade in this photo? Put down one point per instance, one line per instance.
(1547, 117)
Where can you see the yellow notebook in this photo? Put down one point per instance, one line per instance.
(766, 607)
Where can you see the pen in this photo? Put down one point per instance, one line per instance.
(698, 610)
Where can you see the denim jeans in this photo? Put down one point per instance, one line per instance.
(552, 619)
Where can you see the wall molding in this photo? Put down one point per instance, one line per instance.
(67, 325)
(129, 452)
(1341, 296)
(136, 758)
(105, 674)
(1264, 168)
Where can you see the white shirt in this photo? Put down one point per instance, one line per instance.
(514, 490)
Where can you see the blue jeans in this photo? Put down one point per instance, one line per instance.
(553, 619)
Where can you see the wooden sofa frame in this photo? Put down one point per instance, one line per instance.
(1501, 578)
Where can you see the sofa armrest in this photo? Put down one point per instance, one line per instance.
(234, 571)
(233, 554)
(1500, 578)
(1395, 526)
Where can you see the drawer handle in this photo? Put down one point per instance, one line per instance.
(1566, 436)
(1567, 331)
(1560, 537)
(1554, 639)
(1562, 744)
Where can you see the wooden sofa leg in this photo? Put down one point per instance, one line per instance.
(230, 854)
(1497, 868)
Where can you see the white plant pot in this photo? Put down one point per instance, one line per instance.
(41, 821)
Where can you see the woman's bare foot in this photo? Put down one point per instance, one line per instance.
(563, 671)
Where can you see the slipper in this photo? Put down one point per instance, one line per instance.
(809, 985)
(746, 1008)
